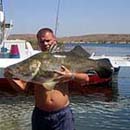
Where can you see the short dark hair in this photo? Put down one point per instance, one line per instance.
(43, 31)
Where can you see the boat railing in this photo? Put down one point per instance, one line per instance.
(24, 47)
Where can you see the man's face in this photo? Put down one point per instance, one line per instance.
(46, 41)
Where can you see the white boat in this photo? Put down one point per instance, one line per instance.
(25, 49)
(116, 61)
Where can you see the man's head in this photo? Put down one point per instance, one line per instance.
(45, 39)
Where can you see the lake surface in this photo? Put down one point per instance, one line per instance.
(102, 108)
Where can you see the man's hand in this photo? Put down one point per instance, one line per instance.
(64, 74)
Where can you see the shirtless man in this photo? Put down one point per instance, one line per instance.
(52, 111)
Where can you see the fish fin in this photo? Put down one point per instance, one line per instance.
(49, 84)
(37, 69)
(80, 51)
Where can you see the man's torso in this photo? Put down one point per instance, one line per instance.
(51, 100)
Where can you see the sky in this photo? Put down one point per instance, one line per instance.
(76, 17)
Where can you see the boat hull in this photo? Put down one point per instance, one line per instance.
(74, 87)
(6, 87)
(95, 81)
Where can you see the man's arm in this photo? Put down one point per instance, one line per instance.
(66, 75)
(18, 85)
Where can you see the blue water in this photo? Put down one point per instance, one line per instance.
(101, 108)
(102, 111)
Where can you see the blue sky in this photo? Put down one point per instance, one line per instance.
(76, 17)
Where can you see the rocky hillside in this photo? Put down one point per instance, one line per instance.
(23, 36)
(98, 38)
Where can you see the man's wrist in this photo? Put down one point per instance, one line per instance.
(72, 76)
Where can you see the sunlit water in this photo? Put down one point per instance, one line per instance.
(106, 108)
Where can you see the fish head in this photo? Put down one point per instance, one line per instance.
(38, 69)
(25, 70)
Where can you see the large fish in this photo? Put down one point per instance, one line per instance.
(40, 68)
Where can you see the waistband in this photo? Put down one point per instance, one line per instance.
(52, 112)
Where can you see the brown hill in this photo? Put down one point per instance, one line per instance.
(23, 36)
(98, 38)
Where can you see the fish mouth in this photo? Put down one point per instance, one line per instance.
(8, 73)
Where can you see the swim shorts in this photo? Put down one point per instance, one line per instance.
(55, 120)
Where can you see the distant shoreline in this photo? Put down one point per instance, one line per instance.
(91, 38)
(98, 38)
